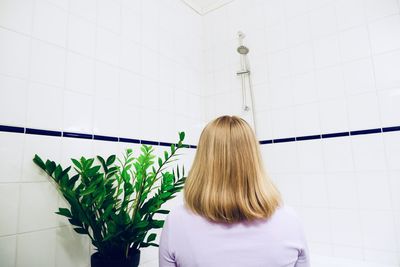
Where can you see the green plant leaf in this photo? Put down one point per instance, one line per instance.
(64, 212)
(110, 160)
(39, 162)
(77, 164)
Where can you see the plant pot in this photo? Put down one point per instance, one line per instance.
(97, 261)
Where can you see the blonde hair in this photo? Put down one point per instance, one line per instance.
(227, 182)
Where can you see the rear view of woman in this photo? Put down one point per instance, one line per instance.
(233, 215)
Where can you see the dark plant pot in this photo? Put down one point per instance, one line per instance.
(97, 261)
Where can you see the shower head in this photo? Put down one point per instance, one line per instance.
(242, 50)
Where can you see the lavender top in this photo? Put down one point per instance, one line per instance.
(189, 240)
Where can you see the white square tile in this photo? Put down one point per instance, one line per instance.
(130, 88)
(310, 156)
(317, 224)
(105, 120)
(298, 29)
(80, 73)
(38, 203)
(131, 24)
(387, 68)
(107, 80)
(283, 122)
(283, 158)
(323, 21)
(14, 53)
(86, 9)
(333, 114)
(17, 15)
(304, 88)
(385, 35)
(151, 96)
(394, 183)
(46, 116)
(326, 51)
(389, 101)
(301, 58)
(108, 46)
(346, 228)
(150, 64)
(377, 184)
(346, 252)
(280, 93)
(48, 63)
(50, 23)
(75, 148)
(109, 15)
(380, 8)
(8, 248)
(342, 190)
(330, 83)
(9, 194)
(72, 249)
(264, 125)
(11, 152)
(150, 125)
(279, 63)
(276, 38)
(354, 43)
(81, 35)
(392, 149)
(131, 57)
(359, 76)
(350, 13)
(384, 239)
(46, 147)
(288, 185)
(363, 111)
(368, 152)
(338, 154)
(13, 98)
(274, 12)
(78, 112)
(37, 249)
(314, 190)
(381, 257)
(307, 119)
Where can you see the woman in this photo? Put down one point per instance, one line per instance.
(233, 214)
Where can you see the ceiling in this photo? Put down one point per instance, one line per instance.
(204, 6)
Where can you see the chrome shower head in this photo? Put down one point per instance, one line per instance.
(242, 50)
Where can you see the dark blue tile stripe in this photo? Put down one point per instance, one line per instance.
(42, 132)
(165, 144)
(284, 140)
(263, 142)
(77, 135)
(105, 138)
(369, 131)
(129, 140)
(332, 135)
(391, 129)
(308, 137)
(148, 142)
(11, 129)
(14, 129)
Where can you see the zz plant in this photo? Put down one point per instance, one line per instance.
(115, 200)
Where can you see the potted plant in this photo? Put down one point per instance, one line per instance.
(115, 201)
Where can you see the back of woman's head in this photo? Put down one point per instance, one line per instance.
(227, 182)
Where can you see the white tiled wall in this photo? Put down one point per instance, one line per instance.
(109, 67)
(147, 69)
(320, 67)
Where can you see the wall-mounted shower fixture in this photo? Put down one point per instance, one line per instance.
(244, 74)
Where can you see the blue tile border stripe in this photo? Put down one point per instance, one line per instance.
(331, 135)
(16, 129)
